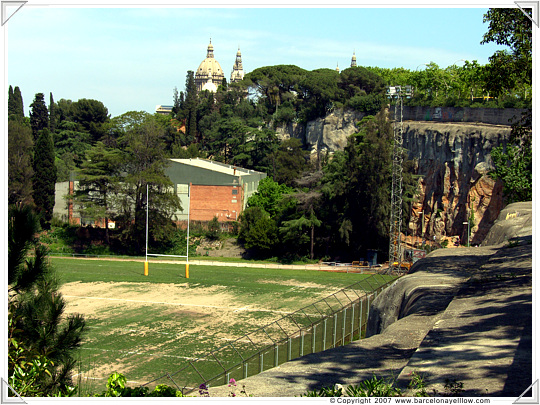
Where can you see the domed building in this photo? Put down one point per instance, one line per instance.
(209, 75)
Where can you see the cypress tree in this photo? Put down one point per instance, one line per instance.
(15, 104)
(52, 116)
(19, 108)
(191, 107)
(11, 101)
(39, 115)
(44, 178)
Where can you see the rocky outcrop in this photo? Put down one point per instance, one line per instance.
(453, 160)
(324, 134)
(514, 225)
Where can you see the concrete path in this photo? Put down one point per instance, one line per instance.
(477, 330)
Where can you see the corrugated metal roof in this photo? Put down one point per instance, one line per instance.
(216, 166)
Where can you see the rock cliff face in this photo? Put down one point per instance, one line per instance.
(324, 134)
(453, 160)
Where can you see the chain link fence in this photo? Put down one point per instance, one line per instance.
(330, 322)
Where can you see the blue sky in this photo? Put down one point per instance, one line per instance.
(133, 58)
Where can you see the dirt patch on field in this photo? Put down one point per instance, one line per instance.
(91, 298)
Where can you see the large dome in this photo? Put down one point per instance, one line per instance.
(209, 70)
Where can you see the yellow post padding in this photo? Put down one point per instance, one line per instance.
(187, 270)
(145, 268)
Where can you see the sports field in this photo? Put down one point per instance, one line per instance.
(146, 326)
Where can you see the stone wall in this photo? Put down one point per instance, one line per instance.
(493, 116)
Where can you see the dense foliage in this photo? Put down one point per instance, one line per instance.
(42, 340)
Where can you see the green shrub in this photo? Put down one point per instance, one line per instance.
(116, 387)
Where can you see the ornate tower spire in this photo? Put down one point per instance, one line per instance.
(337, 68)
(238, 71)
(353, 60)
(210, 50)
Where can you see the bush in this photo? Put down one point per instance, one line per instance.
(116, 387)
(214, 229)
(373, 387)
(258, 231)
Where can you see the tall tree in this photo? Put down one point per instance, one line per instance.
(19, 107)
(356, 189)
(15, 103)
(39, 115)
(92, 115)
(37, 324)
(290, 160)
(44, 179)
(52, 114)
(512, 28)
(513, 164)
(190, 107)
(98, 183)
(143, 164)
(20, 172)
(11, 101)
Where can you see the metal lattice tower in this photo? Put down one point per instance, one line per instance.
(394, 253)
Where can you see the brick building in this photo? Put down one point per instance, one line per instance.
(217, 190)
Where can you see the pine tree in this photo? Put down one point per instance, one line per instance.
(44, 176)
(98, 183)
(39, 115)
(35, 310)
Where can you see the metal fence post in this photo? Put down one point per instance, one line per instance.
(301, 343)
(276, 355)
(352, 322)
(324, 334)
(245, 370)
(344, 329)
(313, 338)
(334, 331)
(360, 318)
(261, 362)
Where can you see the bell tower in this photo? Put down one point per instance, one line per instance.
(238, 71)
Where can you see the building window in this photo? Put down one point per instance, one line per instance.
(235, 191)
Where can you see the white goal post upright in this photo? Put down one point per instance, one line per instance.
(186, 256)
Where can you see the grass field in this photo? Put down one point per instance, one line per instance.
(145, 326)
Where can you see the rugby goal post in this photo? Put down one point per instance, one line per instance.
(186, 256)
